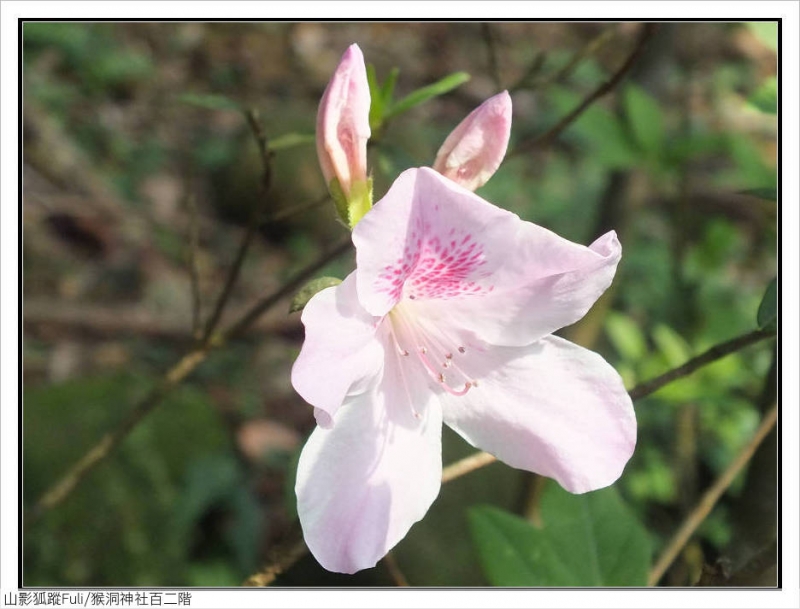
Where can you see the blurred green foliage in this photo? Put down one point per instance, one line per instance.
(582, 540)
(659, 160)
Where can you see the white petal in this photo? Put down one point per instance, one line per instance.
(553, 408)
(362, 484)
(342, 353)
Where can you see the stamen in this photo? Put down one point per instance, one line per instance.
(431, 337)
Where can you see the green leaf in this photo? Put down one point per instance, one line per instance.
(308, 290)
(770, 194)
(585, 540)
(645, 119)
(766, 32)
(291, 140)
(387, 91)
(768, 309)
(376, 99)
(765, 98)
(209, 101)
(626, 336)
(671, 345)
(601, 129)
(440, 87)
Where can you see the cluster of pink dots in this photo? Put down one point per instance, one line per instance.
(433, 267)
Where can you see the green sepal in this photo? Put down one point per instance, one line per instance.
(339, 199)
(360, 201)
(308, 291)
(353, 207)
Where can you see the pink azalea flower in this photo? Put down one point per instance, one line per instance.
(474, 150)
(449, 319)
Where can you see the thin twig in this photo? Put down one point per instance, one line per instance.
(185, 366)
(491, 49)
(194, 277)
(252, 225)
(291, 286)
(283, 214)
(712, 355)
(547, 137)
(590, 48)
(394, 571)
(283, 557)
(466, 465)
(709, 499)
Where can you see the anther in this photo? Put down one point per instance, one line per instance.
(462, 350)
(441, 377)
(448, 356)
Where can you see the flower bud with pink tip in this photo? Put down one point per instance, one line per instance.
(474, 150)
(342, 134)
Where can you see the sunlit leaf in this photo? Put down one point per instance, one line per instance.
(445, 85)
(766, 32)
(307, 292)
(600, 128)
(626, 336)
(765, 98)
(645, 120)
(671, 345)
(585, 540)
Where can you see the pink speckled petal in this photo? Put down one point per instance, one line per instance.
(474, 150)
(546, 284)
(362, 484)
(341, 354)
(343, 122)
(552, 408)
(426, 239)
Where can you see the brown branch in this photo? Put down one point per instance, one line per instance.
(709, 499)
(284, 556)
(547, 138)
(590, 48)
(252, 225)
(466, 465)
(712, 355)
(194, 276)
(289, 287)
(283, 214)
(185, 366)
(394, 571)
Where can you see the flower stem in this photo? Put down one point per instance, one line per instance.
(709, 499)
(713, 354)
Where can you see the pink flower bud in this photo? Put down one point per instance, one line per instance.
(343, 123)
(474, 150)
